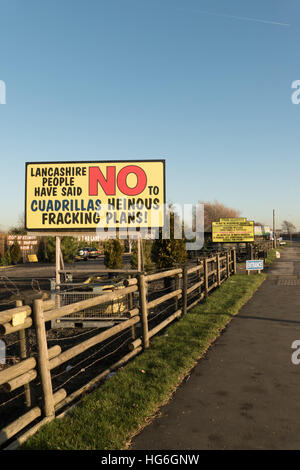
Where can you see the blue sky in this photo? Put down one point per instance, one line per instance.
(205, 84)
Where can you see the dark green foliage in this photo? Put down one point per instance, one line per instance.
(41, 253)
(113, 254)
(170, 252)
(15, 253)
(50, 250)
(69, 248)
(6, 259)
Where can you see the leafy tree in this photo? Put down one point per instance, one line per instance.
(170, 252)
(69, 248)
(41, 251)
(50, 249)
(113, 254)
(15, 252)
(6, 259)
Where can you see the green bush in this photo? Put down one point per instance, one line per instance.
(171, 252)
(41, 252)
(168, 253)
(6, 259)
(69, 248)
(15, 253)
(113, 254)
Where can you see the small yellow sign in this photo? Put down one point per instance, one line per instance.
(33, 259)
(18, 318)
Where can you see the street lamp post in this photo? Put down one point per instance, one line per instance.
(274, 234)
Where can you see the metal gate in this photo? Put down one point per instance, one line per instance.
(101, 315)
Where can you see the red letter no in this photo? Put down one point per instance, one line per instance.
(141, 180)
(108, 184)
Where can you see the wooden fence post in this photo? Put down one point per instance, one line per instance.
(218, 270)
(43, 358)
(23, 355)
(130, 307)
(205, 276)
(200, 276)
(234, 260)
(251, 252)
(143, 309)
(228, 264)
(184, 289)
(176, 288)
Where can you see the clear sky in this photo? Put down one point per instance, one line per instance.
(205, 84)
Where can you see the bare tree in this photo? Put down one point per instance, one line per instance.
(19, 229)
(288, 227)
(213, 211)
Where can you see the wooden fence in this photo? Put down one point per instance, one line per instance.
(255, 250)
(155, 301)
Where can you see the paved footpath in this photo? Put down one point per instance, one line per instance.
(245, 393)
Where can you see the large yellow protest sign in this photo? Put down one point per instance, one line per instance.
(230, 231)
(91, 195)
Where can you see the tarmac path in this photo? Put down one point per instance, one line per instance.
(245, 393)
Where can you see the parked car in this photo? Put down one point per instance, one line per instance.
(82, 255)
(87, 253)
(93, 252)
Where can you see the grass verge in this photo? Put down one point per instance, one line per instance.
(272, 255)
(111, 415)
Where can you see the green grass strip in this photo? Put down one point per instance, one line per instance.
(272, 255)
(108, 417)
